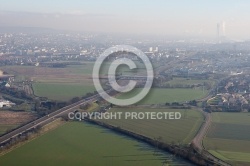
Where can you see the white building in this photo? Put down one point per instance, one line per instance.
(7, 85)
(156, 49)
(150, 49)
(6, 103)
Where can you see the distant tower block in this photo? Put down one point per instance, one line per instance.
(156, 49)
(150, 49)
(223, 28)
(218, 32)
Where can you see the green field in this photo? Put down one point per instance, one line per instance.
(69, 72)
(87, 68)
(163, 95)
(186, 81)
(83, 144)
(64, 83)
(55, 83)
(171, 131)
(65, 91)
(229, 137)
(61, 91)
(225, 130)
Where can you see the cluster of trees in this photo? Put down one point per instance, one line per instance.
(207, 86)
(15, 93)
(177, 104)
(193, 103)
(47, 106)
(161, 82)
(217, 108)
(173, 104)
(59, 64)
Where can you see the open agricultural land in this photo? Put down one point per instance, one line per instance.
(83, 144)
(66, 82)
(189, 81)
(55, 83)
(10, 120)
(177, 131)
(61, 91)
(163, 95)
(87, 68)
(229, 137)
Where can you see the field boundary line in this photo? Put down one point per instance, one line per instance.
(33, 137)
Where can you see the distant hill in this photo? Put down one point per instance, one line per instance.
(26, 30)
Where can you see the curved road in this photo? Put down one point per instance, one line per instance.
(198, 139)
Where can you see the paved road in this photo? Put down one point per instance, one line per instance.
(46, 119)
(197, 141)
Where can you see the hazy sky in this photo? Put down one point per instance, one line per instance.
(166, 17)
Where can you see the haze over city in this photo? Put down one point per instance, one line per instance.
(191, 18)
(124, 83)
